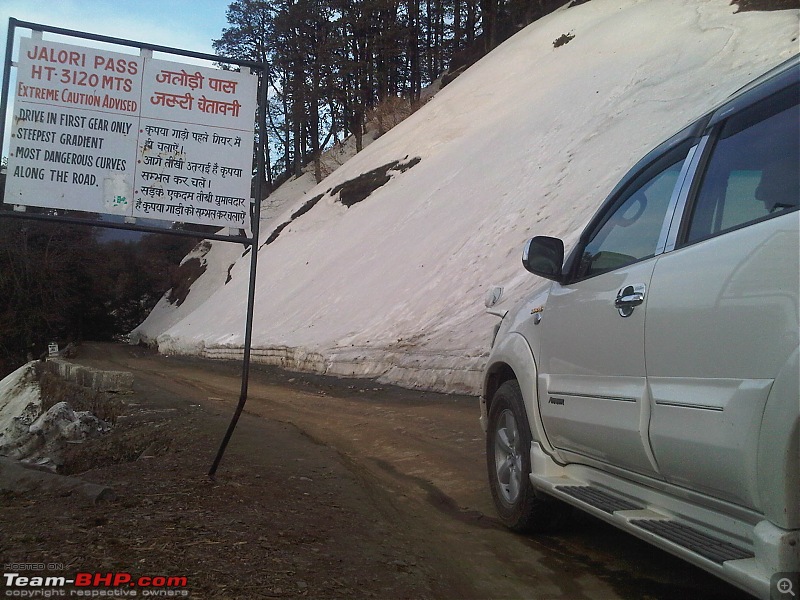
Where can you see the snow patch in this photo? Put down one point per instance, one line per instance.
(20, 402)
(30, 435)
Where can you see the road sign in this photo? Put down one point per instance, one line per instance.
(113, 133)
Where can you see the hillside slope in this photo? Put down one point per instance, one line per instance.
(528, 141)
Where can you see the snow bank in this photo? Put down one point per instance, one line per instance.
(43, 442)
(528, 141)
(20, 401)
(30, 435)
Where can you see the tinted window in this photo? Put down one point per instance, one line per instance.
(753, 173)
(632, 229)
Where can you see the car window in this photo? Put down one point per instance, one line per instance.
(752, 174)
(631, 231)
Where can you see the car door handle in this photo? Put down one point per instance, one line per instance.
(629, 298)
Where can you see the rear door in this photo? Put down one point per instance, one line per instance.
(592, 378)
(722, 313)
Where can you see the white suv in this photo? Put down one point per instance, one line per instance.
(653, 381)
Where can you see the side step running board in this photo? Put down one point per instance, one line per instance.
(691, 539)
(678, 533)
(597, 498)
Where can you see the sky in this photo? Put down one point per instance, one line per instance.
(528, 141)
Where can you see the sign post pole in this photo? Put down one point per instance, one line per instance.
(251, 293)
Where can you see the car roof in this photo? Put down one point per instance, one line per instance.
(771, 82)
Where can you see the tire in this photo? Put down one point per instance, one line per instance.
(508, 441)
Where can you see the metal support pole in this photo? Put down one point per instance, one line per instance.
(12, 24)
(248, 333)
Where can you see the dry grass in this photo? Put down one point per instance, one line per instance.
(389, 113)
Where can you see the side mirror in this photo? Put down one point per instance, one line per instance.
(544, 256)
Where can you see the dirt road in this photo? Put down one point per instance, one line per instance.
(371, 492)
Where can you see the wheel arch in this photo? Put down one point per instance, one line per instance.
(512, 358)
(779, 448)
(496, 375)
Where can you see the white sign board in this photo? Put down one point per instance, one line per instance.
(105, 132)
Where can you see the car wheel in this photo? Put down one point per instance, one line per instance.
(508, 443)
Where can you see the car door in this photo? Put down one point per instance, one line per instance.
(722, 313)
(592, 379)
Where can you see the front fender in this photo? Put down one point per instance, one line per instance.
(779, 449)
(512, 356)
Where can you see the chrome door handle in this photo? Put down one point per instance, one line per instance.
(629, 298)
